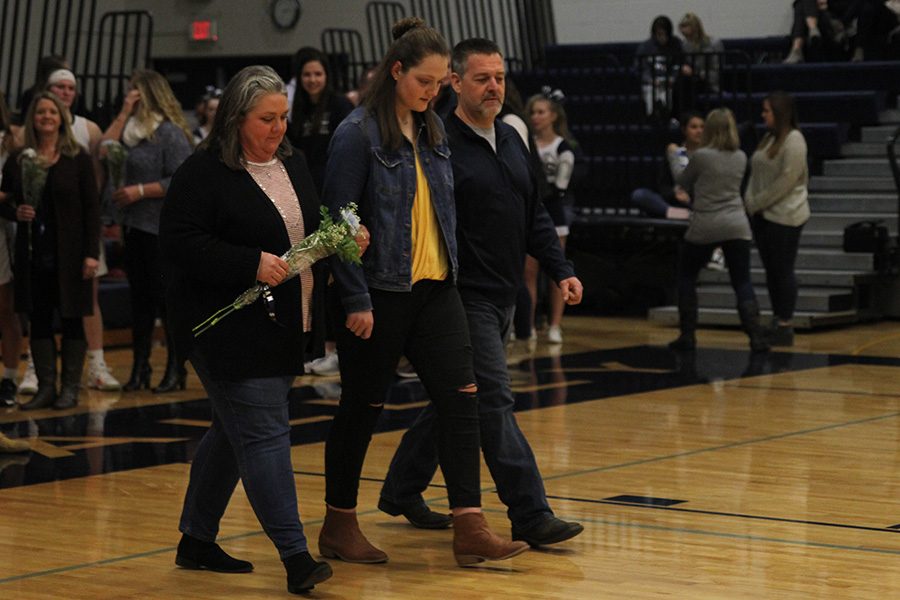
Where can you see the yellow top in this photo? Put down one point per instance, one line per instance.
(429, 254)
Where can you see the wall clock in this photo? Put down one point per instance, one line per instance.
(285, 13)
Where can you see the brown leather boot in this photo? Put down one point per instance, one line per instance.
(474, 542)
(341, 538)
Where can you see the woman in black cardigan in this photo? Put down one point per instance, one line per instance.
(233, 208)
(57, 245)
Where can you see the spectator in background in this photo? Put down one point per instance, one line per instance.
(700, 71)
(878, 30)
(671, 201)
(556, 148)
(713, 177)
(10, 327)
(777, 200)
(659, 61)
(206, 112)
(315, 114)
(317, 110)
(813, 35)
(57, 244)
(358, 94)
(62, 82)
(46, 65)
(153, 129)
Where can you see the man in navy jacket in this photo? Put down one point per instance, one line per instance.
(500, 219)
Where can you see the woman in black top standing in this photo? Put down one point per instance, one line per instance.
(316, 112)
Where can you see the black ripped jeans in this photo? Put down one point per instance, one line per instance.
(429, 326)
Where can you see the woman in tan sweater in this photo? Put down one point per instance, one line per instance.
(777, 200)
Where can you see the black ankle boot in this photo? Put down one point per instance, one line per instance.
(140, 376)
(43, 352)
(196, 554)
(175, 378)
(304, 572)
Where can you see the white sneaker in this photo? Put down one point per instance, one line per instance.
(405, 369)
(717, 261)
(554, 334)
(326, 365)
(29, 384)
(99, 377)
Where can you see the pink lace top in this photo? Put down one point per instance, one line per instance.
(273, 179)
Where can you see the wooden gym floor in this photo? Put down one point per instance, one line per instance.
(718, 475)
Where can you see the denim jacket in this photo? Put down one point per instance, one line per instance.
(383, 184)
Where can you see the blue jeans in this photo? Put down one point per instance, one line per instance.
(506, 451)
(249, 439)
(650, 202)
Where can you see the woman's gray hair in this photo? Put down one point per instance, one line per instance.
(240, 97)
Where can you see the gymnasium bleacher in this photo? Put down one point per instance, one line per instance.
(847, 111)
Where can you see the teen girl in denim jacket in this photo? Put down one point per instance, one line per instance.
(390, 156)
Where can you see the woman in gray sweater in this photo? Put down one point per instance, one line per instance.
(713, 179)
(777, 200)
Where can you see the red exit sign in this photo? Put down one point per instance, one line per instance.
(203, 30)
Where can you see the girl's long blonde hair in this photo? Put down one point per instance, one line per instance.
(157, 98)
(720, 131)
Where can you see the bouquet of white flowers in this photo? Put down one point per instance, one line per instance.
(330, 238)
(116, 154)
(34, 177)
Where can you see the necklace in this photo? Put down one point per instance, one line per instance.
(264, 175)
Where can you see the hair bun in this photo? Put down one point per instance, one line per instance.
(405, 25)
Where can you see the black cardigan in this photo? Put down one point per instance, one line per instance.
(215, 222)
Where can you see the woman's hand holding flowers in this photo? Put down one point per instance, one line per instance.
(25, 213)
(89, 268)
(362, 239)
(272, 269)
(126, 195)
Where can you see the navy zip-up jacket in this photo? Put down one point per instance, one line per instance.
(499, 217)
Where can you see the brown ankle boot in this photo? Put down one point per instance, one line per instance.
(474, 542)
(341, 538)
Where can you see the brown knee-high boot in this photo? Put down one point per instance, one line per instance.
(474, 542)
(342, 538)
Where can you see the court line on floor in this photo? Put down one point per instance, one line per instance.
(716, 513)
(742, 536)
(769, 438)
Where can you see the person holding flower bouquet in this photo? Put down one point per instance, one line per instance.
(63, 83)
(390, 156)
(10, 326)
(232, 210)
(52, 193)
(151, 126)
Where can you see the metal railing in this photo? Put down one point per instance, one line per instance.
(102, 53)
(522, 28)
(124, 43)
(60, 27)
(895, 168)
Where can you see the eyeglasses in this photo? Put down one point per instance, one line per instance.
(269, 304)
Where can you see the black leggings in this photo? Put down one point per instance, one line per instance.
(778, 246)
(45, 300)
(429, 326)
(693, 257)
(145, 284)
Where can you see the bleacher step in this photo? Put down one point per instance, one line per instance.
(668, 315)
(877, 134)
(864, 149)
(819, 183)
(837, 221)
(891, 115)
(853, 203)
(813, 299)
(816, 258)
(856, 167)
(810, 277)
